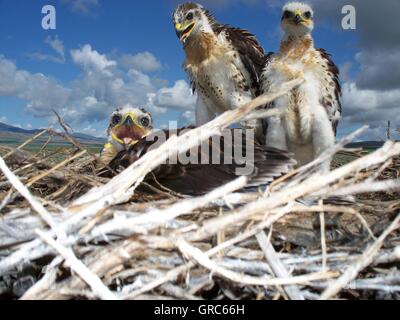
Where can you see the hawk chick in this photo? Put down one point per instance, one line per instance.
(224, 64)
(310, 113)
(127, 126)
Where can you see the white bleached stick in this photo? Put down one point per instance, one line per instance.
(89, 277)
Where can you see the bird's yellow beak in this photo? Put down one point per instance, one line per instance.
(298, 18)
(183, 31)
(129, 131)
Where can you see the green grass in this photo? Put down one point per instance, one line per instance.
(343, 158)
(63, 148)
(35, 147)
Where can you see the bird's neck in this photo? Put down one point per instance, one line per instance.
(200, 48)
(296, 45)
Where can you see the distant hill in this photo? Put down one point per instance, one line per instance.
(11, 134)
(8, 128)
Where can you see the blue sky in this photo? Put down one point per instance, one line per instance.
(105, 52)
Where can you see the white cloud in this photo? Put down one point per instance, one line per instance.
(177, 97)
(379, 69)
(92, 131)
(188, 117)
(38, 56)
(84, 7)
(3, 119)
(152, 107)
(90, 59)
(373, 107)
(57, 45)
(40, 91)
(101, 86)
(144, 61)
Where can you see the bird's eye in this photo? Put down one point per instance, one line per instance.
(145, 122)
(116, 119)
(287, 15)
(189, 16)
(307, 15)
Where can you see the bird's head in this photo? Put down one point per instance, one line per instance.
(189, 19)
(297, 19)
(128, 125)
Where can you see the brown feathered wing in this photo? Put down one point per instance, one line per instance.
(198, 179)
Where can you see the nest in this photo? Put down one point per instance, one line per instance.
(67, 234)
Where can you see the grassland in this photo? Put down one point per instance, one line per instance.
(55, 152)
(60, 146)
